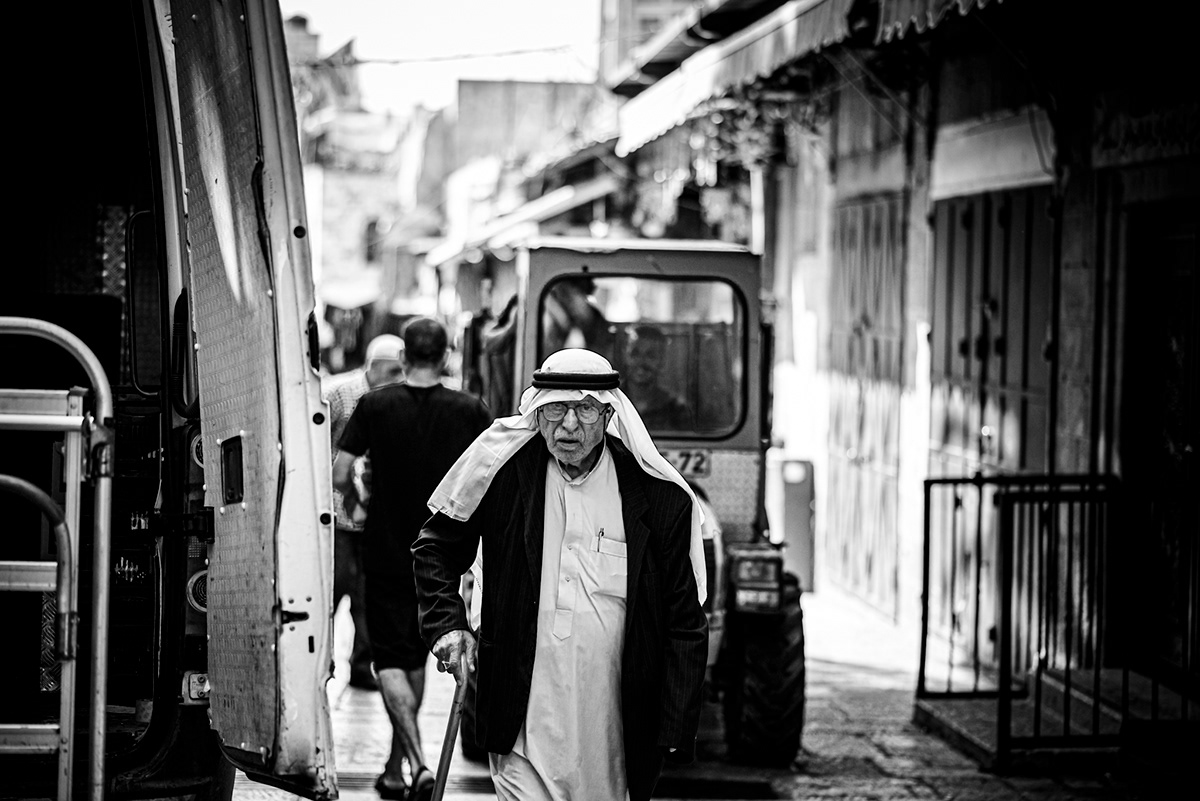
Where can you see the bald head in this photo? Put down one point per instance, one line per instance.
(383, 364)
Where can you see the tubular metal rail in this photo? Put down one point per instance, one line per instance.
(89, 445)
(61, 579)
(1018, 623)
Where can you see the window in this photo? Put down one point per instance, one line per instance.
(678, 344)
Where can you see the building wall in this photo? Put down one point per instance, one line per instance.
(511, 119)
(625, 24)
(351, 201)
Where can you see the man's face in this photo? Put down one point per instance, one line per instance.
(385, 371)
(570, 440)
(645, 360)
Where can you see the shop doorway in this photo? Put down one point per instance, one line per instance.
(1160, 433)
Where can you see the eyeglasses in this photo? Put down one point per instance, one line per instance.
(585, 412)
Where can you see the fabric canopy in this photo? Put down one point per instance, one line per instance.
(896, 17)
(793, 30)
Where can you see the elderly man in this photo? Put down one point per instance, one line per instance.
(342, 393)
(592, 640)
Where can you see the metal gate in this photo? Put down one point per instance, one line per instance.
(866, 347)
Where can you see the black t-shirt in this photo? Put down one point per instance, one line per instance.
(413, 435)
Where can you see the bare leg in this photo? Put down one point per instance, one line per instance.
(402, 692)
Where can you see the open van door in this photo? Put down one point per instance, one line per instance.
(264, 427)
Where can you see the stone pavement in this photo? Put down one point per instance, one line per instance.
(859, 742)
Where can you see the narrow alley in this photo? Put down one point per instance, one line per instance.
(859, 740)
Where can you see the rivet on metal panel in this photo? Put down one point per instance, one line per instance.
(291, 600)
(196, 18)
(241, 432)
(222, 510)
(309, 599)
(292, 628)
(204, 487)
(196, 346)
(270, 294)
(279, 446)
(243, 504)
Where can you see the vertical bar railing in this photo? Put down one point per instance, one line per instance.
(1005, 557)
(1070, 519)
(1046, 593)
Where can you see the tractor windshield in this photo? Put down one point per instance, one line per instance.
(679, 345)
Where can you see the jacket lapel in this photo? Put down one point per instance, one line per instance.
(531, 480)
(634, 504)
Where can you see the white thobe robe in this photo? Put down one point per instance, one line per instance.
(571, 746)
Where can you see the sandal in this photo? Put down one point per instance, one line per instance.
(422, 786)
(389, 792)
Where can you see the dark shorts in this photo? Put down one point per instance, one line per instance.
(392, 620)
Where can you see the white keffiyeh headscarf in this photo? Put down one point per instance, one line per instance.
(461, 491)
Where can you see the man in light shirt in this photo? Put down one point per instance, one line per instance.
(592, 641)
(342, 392)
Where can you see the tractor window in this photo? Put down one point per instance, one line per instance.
(678, 345)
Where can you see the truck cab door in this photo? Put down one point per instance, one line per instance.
(264, 427)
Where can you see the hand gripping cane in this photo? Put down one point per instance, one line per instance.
(456, 710)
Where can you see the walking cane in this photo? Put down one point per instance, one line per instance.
(456, 710)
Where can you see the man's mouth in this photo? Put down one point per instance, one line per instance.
(567, 443)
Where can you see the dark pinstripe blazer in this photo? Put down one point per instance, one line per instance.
(666, 635)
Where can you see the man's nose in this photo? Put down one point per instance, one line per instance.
(570, 420)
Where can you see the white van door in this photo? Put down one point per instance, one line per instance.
(264, 426)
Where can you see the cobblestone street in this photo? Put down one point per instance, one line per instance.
(859, 741)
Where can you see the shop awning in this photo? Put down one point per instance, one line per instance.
(790, 32)
(897, 17)
(511, 227)
(683, 35)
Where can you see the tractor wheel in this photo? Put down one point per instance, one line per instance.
(221, 785)
(764, 692)
(466, 735)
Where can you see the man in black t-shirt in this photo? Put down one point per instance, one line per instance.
(414, 432)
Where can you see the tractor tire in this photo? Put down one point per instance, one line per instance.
(466, 734)
(764, 687)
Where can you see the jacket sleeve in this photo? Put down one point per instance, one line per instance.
(442, 553)
(685, 651)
